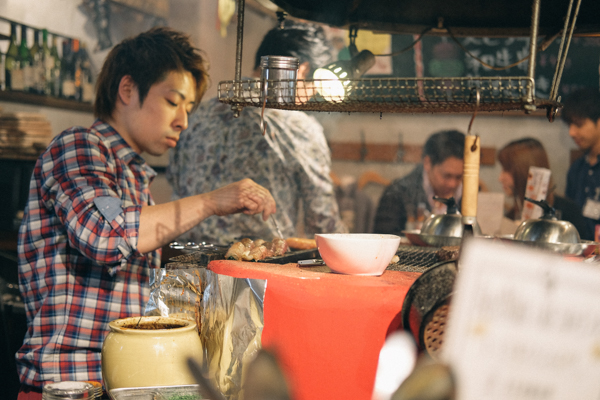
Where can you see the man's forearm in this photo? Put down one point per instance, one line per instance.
(161, 224)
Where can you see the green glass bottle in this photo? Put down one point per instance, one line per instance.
(25, 60)
(56, 65)
(37, 66)
(47, 64)
(10, 61)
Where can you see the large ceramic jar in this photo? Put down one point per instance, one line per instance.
(149, 351)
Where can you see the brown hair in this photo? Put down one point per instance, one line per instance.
(516, 158)
(148, 58)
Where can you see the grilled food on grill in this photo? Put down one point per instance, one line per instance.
(296, 243)
(256, 250)
(447, 253)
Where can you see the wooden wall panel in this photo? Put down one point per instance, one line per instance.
(354, 151)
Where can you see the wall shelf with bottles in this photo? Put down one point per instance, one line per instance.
(46, 101)
(44, 68)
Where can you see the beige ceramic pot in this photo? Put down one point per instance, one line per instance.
(151, 353)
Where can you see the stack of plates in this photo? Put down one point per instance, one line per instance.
(97, 392)
(23, 133)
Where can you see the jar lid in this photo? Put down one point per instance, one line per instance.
(282, 62)
(68, 390)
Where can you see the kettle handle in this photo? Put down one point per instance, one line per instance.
(450, 204)
(549, 211)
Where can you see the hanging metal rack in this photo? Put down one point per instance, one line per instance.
(412, 95)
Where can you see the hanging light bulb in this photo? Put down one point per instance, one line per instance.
(332, 81)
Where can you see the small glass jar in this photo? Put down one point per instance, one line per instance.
(69, 390)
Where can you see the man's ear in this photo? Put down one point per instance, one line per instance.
(127, 90)
(427, 164)
(304, 70)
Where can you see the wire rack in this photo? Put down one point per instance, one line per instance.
(415, 259)
(401, 95)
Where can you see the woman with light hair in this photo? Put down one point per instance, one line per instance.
(515, 158)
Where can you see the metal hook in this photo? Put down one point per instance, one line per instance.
(477, 99)
(263, 125)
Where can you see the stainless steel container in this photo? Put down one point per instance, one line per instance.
(278, 76)
(70, 390)
(547, 229)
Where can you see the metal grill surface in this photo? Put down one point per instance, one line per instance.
(406, 95)
(415, 259)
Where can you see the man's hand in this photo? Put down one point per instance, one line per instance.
(243, 196)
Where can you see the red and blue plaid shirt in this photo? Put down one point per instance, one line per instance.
(79, 267)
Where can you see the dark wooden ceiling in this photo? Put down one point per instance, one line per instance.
(463, 17)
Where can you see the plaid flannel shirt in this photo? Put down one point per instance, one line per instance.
(79, 267)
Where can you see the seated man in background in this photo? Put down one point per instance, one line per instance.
(440, 174)
(581, 112)
(292, 160)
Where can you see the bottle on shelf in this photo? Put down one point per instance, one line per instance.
(47, 64)
(55, 82)
(25, 61)
(11, 58)
(67, 71)
(87, 75)
(37, 64)
(77, 70)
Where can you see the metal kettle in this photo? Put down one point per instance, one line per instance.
(548, 228)
(449, 224)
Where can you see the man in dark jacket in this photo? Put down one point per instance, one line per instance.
(410, 199)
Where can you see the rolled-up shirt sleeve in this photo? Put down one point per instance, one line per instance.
(79, 181)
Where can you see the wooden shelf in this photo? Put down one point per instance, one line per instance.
(47, 101)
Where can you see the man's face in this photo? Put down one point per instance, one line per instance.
(155, 125)
(586, 134)
(445, 177)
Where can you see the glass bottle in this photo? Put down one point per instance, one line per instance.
(87, 76)
(25, 61)
(12, 54)
(37, 64)
(76, 65)
(55, 81)
(67, 71)
(47, 65)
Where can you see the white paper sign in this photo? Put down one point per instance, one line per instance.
(490, 210)
(524, 325)
(538, 180)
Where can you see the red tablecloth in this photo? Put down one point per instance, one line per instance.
(326, 329)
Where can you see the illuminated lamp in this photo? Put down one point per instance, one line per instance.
(332, 81)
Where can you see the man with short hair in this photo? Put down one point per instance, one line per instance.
(292, 159)
(440, 174)
(581, 111)
(91, 233)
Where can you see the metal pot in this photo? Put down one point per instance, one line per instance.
(547, 229)
(443, 229)
(449, 224)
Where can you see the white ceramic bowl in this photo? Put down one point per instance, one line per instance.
(357, 253)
